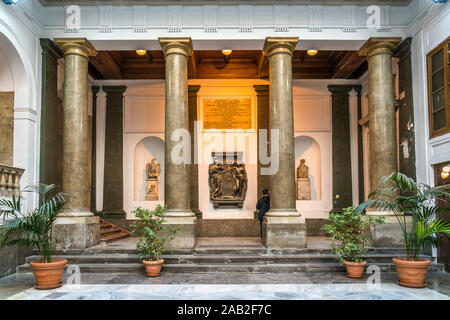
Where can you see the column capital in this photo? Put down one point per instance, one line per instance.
(114, 90)
(193, 90)
(79, 46)
(336, 89)
(377, 45)
(176, 45)
(95, 89)
(49, 48)
(274, 45)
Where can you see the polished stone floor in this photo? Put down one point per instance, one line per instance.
(226, 286)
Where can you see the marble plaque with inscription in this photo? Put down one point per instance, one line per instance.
(227, 114)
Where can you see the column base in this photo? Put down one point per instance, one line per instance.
(185, 238)
(389, 234)
(76, 232)
(112, 214)
(287, 232)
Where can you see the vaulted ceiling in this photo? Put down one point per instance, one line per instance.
(211, 64)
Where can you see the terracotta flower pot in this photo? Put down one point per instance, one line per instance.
(48, 275)
(411, 273)
(355, 269)
(153, 268)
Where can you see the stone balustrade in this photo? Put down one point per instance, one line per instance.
(9, 181)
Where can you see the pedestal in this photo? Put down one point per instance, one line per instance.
(185, 238)
(152, 189)
(76, 232)
(284, 232)
(389, 234)
(303, 189)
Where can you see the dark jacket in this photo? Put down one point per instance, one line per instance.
(263, 206)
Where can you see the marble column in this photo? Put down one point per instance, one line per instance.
(382, 134)
(177, 176)
(76, 227)
(342, 166)
(95, 90)
(383, 153)
(283, 227)
(113, 177)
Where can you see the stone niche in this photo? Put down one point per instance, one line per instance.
(228, 180)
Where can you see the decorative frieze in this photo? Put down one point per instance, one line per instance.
(10, 181)
(245, 18)
(175, 18)
(315, 18)
(210, 18)
(140, 16)
(385, 16)
(105, 15)
(349, 18)
(281, 18)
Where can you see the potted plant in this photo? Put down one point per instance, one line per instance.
(402, 195)
(34, 229)
(154, 238)
(351, 230)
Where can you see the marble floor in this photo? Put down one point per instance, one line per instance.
(173, 286)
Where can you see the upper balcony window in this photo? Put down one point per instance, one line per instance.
(438, 89)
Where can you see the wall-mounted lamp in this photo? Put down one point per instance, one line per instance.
(312, 52)
(445, 172)
(227, 54)
(141, 52)
(11, 1)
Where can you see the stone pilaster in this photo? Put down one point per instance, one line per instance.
(342, 166)
(358, 89)
(95, 90)
(383, 153)
(6, 128)
(406, 137)
(113, 176)
(193, 116)
(177, 175)
(263, 101)
(382, 134)
(76, 227)
(51, 138)
(282, 227)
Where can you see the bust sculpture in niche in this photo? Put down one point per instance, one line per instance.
(152, 171)
(303, 181)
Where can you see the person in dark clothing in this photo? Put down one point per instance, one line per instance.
(263, 206)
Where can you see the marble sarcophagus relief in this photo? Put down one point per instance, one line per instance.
(227, 180)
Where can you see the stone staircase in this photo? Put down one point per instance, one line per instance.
(110, 259)
(110, 232)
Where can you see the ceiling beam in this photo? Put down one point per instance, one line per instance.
(106, 65)
(347, 65)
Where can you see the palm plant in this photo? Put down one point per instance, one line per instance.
(402, 195)
(33, 228)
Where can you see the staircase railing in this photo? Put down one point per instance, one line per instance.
(9, 180)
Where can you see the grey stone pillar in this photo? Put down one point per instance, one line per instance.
(50, 170)
(358, 89)
(382, 134)
(113, 176)
(283, 227)
(342, 165)
(177, 176)
(76, 227)
(193, 95)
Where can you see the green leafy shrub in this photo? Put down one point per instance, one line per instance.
(31, 229)
(402, 195)
(154, 235)
(352, 232)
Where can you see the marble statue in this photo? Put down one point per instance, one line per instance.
(152, 171)
(303, 182)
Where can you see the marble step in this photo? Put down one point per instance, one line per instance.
(215, 259)
(234, 267)
(109, 231)
(114, 236)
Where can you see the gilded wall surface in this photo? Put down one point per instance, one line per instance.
(227, 114)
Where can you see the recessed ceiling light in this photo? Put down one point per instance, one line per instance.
(226, 52)
(141, 52)
(312, 52)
